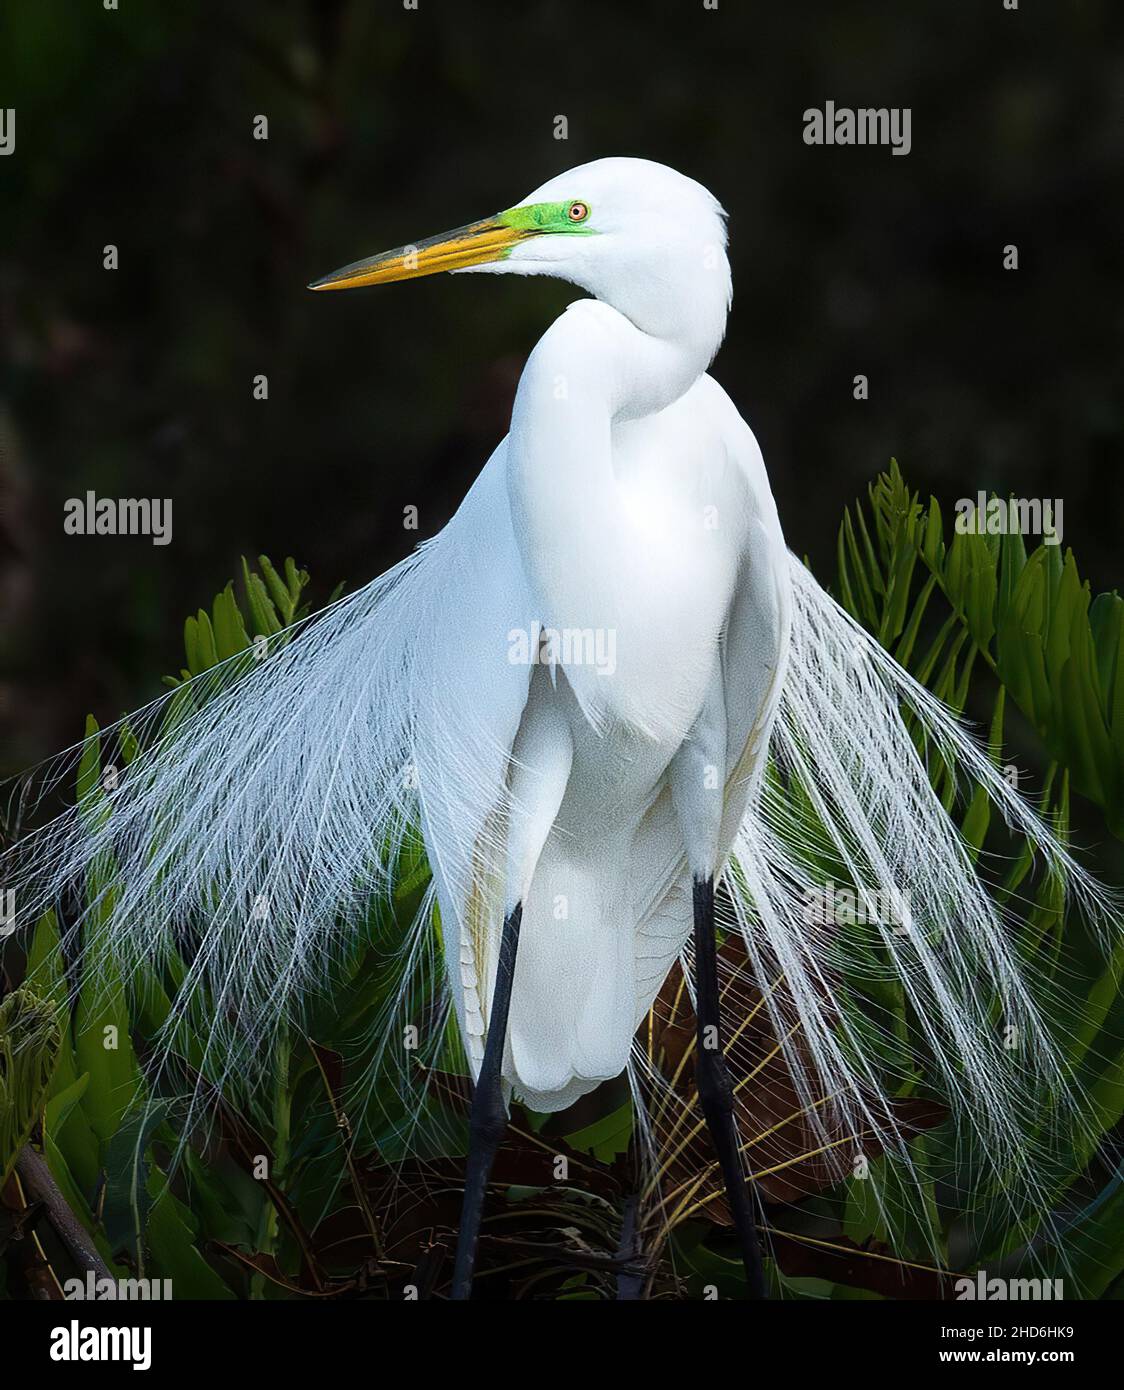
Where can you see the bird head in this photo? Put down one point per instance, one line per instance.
(636, 234)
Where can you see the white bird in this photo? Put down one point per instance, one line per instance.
(573, 692)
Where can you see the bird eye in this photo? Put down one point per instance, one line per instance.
(577, 212)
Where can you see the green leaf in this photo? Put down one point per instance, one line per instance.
(60, 1105)
(64, 1180)
(1091, 1256)
(230, 631)
(262, 611)
(283, 595)
(89, 764)
(607, 1137)
(104, 1048)
(46, 970)
(208, 652)
(171, 1239)
(126, 1200)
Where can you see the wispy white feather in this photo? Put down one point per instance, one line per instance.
(271, 802)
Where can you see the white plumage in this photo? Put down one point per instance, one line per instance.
(629, 509)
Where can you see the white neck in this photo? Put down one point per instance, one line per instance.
(596, 367)
(676, 297)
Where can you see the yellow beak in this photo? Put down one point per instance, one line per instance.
(476, 244)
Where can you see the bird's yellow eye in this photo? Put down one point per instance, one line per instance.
(577, 212)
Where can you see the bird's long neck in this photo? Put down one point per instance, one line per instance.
(593, 370)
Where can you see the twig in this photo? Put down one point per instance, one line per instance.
(346, 1140)
(39, 1186)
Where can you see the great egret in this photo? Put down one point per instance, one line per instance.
(573, 691)
(634, 515)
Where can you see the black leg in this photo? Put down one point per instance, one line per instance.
(630, 1277)
(716, 1092)
(488, 1118)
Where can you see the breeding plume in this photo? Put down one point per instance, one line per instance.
(590, 698)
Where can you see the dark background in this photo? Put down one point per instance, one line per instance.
(135, 127)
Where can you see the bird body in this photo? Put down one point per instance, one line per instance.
(696, 568)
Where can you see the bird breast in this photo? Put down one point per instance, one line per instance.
(642, 571)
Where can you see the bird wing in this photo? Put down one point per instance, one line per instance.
(756, 636)
(754, 654)
(285, 791)
(468, 701)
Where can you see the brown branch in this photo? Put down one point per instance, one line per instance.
(40, 1186)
